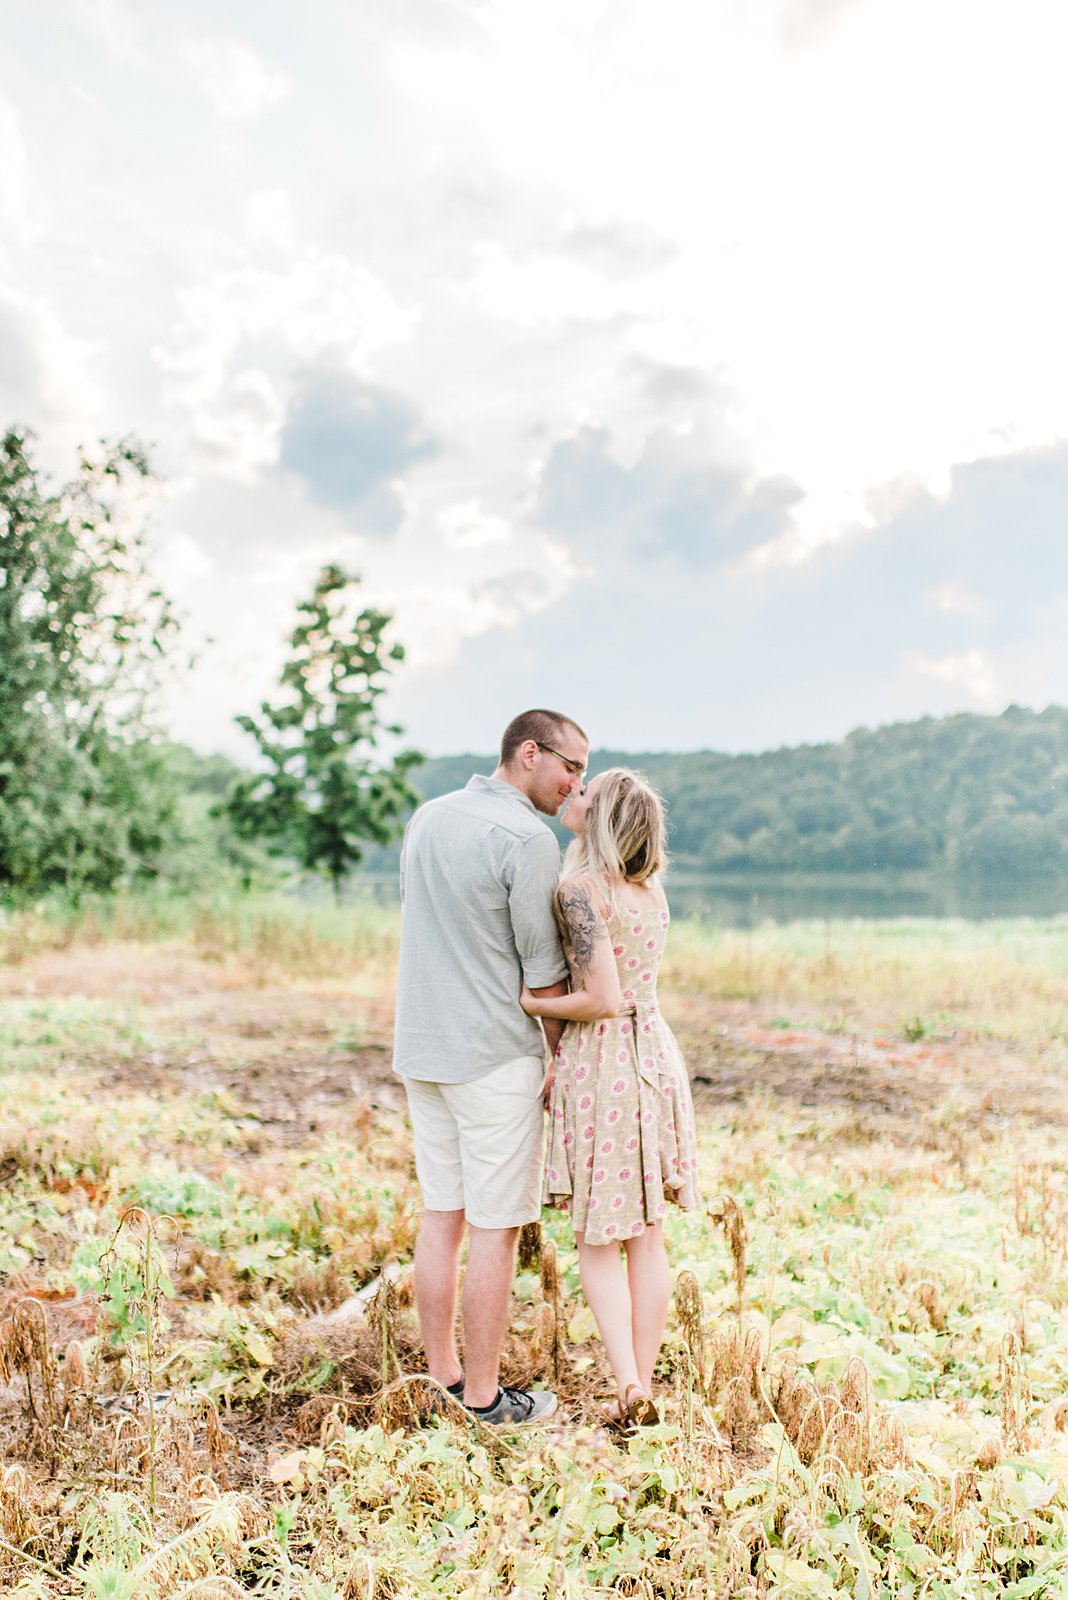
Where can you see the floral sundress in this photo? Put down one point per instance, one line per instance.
(622, 1141)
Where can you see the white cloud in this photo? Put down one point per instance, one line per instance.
(115, 24)
(182, 565)
(240, 424)
(958, 599)
(467, 527)
(235, 76)
(15, 212)
(542, 291)
(269, 216)
(970, 672)
(44, 376)
(320, 306)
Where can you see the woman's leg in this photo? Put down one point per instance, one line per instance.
(604, 1283)
(649, 1280)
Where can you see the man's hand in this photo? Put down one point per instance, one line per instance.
(553, 1028)
(550, 1078)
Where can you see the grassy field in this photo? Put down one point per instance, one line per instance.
(207, 1350)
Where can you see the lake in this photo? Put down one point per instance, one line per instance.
(747, 901)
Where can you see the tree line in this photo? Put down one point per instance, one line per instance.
(965, 794)
(93, 797)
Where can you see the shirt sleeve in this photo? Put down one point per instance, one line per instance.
(403, 854)
(536, 872)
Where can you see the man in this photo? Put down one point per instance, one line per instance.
(478, 874)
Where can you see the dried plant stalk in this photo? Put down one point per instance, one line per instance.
(688, 1311)
(550, 1294)
(728, 1215)
(529, 1253)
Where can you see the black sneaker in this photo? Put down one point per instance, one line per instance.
(434, 1407)
(517, 1408)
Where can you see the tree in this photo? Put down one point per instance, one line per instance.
(83, 635)
(322, 796)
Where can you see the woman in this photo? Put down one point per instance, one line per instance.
(622, 1144)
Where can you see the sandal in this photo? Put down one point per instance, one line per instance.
(630, 1410)
(639, 1409)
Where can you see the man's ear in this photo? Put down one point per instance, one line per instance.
(527, 751)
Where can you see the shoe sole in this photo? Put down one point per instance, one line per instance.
(525, 1422)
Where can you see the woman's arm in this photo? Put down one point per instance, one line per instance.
(593, 960)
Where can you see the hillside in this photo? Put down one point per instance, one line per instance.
(976, 795)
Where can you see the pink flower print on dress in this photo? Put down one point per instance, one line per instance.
(623, 1174)
(589, 1163)
(569, 1139)
(593, 1203)
(620, 1085)
(617, 949)
(628, 994)
(625, 1029)
(553, 1175)
(599, 1175)
(647, 977)
(632, 963)
(649, 1062)
(580, 1074)
(602, 1029)
(613, 1115)
(617, 1202)
(632, 1144)
(636, 1227)
(611, 1230)
(587, 1132)
(637, 928)
(585, 1103)
(621, 1056)
(650, 944)
(607, 1146)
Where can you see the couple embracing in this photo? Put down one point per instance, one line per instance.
(502, 954)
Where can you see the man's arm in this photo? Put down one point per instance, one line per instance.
(553, 1030)
(535, 871)
(552, 1025)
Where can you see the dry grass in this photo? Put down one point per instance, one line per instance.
(865, 1377)
(1006, 980)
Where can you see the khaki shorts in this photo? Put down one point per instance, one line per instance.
(479, 1146)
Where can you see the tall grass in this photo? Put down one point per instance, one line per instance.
(1004, 979)
(274, 929)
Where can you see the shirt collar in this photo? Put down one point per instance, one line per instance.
(506, 791)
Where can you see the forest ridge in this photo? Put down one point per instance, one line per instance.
(960, 794)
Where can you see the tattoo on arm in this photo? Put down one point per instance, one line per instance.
(585, 923)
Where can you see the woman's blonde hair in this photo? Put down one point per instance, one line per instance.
(626, 835)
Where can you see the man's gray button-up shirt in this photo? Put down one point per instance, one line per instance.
(478, 873)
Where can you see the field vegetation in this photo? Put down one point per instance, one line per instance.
(210, 1367)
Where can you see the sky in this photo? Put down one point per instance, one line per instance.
(695, 367)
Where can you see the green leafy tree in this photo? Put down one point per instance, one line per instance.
(84, 802)
(322, 795)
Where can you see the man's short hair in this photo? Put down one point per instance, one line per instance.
(544, 727)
